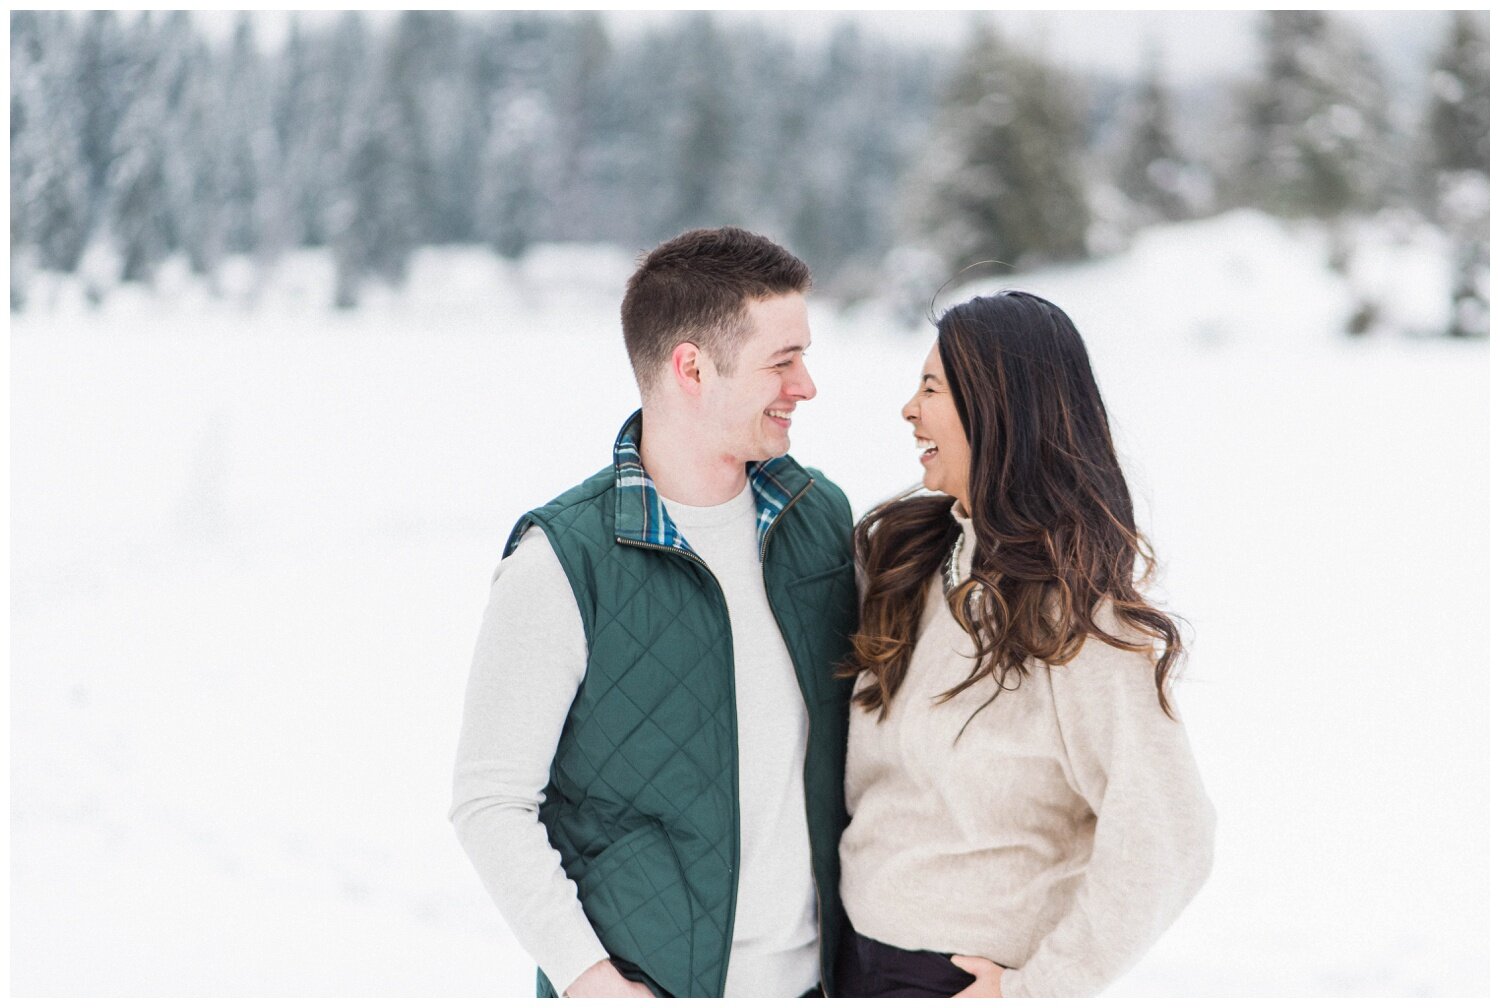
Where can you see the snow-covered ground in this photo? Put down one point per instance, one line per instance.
(251, 544)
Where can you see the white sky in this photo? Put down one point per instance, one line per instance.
(1193, 44)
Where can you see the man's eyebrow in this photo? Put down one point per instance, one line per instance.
(792, 348)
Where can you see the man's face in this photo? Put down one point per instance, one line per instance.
(750, 410)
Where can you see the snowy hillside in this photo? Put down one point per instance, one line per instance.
(252, 537)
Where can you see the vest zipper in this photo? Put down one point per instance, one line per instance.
(734, 727)
(766, 539)
(823, 976)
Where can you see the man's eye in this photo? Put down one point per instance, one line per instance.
(785, 363)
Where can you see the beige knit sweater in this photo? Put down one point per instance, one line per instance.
(1059, 837)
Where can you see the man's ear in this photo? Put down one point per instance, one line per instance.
(686, 358)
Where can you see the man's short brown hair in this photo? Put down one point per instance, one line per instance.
(693, 289)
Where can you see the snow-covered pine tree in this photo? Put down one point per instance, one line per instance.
(473, 73)
(423, 77)
(140, 208)
(203, 150)
(621, 194)
(101, 75)
(702, 144)
(244, 117)
(837, 209)
(296, 118)
(379, 223)
(1153, 175)
(439, 130)
(518, 162)
(517, 185)
(1317, 140)
(1458, 128)
(1458, 107)
(345, 68)
(1002, 180)
(578, 88)
(49, 179)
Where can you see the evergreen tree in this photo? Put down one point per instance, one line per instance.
(1317, 134)
(139, 203)
(101, 78)
(517, 164)
(841, 162)
(1458, 124)
(202, 147)
(474, 80)
(296, 119)
(134, 137)
(580, 100)
(380, 222)
(1153, 174)
(1003, 179)
(702, 144)
(419, 95)
(520, 160)
(343, 69)
(256, 216)
(1458, 113)
(49, 177)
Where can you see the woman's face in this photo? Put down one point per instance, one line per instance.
(941, 445)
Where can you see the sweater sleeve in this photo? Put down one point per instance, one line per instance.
(527, 666)
(1153, 836)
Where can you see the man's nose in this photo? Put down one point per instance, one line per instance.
(800, 384)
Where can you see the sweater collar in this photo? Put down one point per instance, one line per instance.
(965, 559)
(641, 516)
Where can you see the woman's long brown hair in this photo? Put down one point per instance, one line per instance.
(1054, 528)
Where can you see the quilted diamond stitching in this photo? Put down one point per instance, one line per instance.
(676, 701)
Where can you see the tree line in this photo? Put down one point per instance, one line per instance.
(135, 138)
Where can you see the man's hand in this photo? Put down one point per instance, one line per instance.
(602, 980)
(986, 976)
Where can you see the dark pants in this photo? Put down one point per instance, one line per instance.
(868, 968)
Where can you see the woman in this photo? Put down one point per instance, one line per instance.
(1027, 817)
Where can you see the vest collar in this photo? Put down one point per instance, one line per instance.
(641, 517)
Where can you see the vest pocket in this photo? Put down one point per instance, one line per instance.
(825, 604)
(846, 569)
(635, 896)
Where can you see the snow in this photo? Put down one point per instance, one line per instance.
(251, 540)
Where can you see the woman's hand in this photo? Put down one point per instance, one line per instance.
(986, 976)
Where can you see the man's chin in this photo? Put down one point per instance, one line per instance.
(769, 446)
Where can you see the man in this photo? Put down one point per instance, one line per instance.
(650, 774)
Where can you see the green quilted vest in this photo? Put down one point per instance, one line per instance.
(642, 800)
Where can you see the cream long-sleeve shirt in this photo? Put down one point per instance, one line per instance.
(528, 664)
(1059, 836)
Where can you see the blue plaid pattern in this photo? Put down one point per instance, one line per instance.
(631, 479)
(771, 495)
(641, 515)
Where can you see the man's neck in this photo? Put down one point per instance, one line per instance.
(685, 469)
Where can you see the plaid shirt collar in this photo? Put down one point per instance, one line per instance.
(640, 515)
